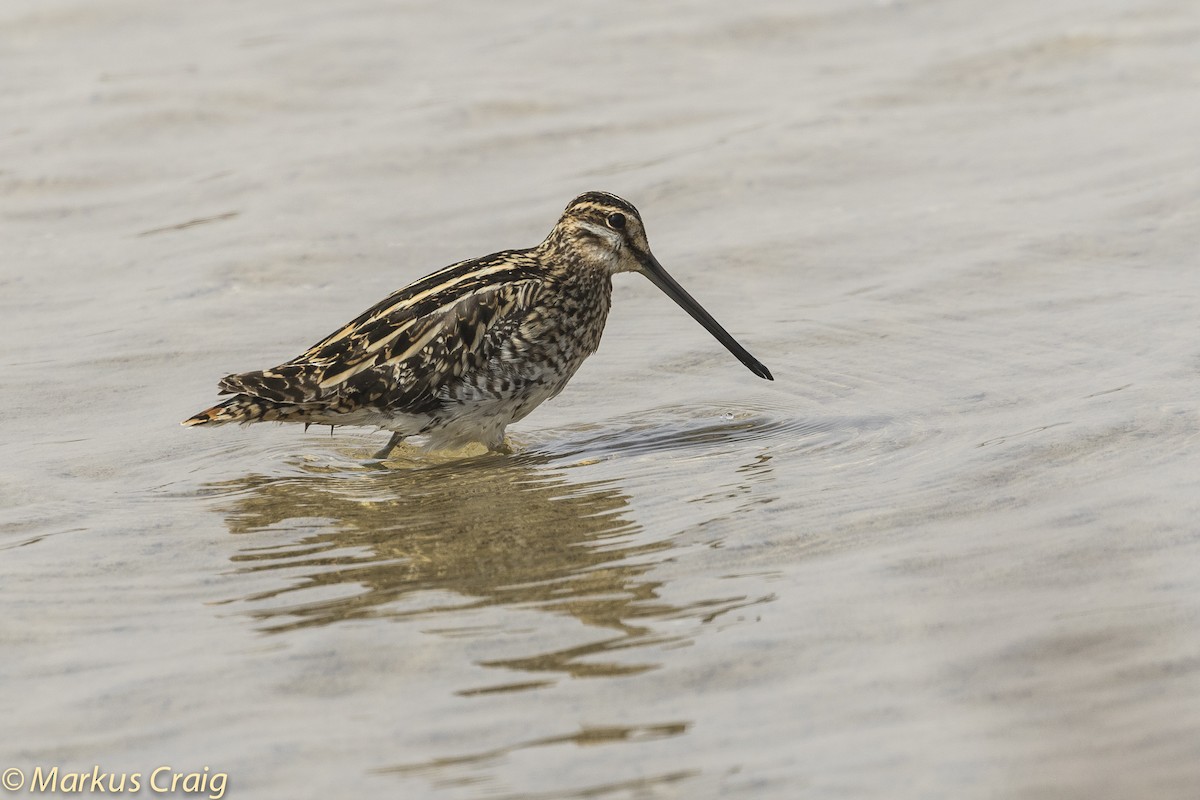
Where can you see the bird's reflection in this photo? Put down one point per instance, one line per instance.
(426, 539)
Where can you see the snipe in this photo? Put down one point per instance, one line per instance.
(463, 353)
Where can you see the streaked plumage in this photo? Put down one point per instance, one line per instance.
(462, 353)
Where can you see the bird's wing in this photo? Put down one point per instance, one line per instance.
(399, 353)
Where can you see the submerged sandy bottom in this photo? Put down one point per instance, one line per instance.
(950, 551)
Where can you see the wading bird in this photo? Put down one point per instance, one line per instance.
(460, 355)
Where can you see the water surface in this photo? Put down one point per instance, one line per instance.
(948, 552)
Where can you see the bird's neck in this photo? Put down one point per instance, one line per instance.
(565, 261)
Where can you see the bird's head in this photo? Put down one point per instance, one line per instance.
(602, 230)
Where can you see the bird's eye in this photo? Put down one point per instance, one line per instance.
(616, 222)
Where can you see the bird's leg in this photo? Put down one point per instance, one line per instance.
(396, 439)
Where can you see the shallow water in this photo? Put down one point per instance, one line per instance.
(948, 552)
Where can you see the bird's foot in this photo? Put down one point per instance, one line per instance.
(396, 439)
(506, 447)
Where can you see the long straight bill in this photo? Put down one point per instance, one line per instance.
(660, 278)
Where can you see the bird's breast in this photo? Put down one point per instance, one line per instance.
(534, 360)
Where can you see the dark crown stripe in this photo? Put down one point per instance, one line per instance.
(604, 201)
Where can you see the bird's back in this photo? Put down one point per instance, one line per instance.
(400, 352)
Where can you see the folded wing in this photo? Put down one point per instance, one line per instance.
(399, 355)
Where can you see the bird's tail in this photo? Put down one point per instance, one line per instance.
(246, 408)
